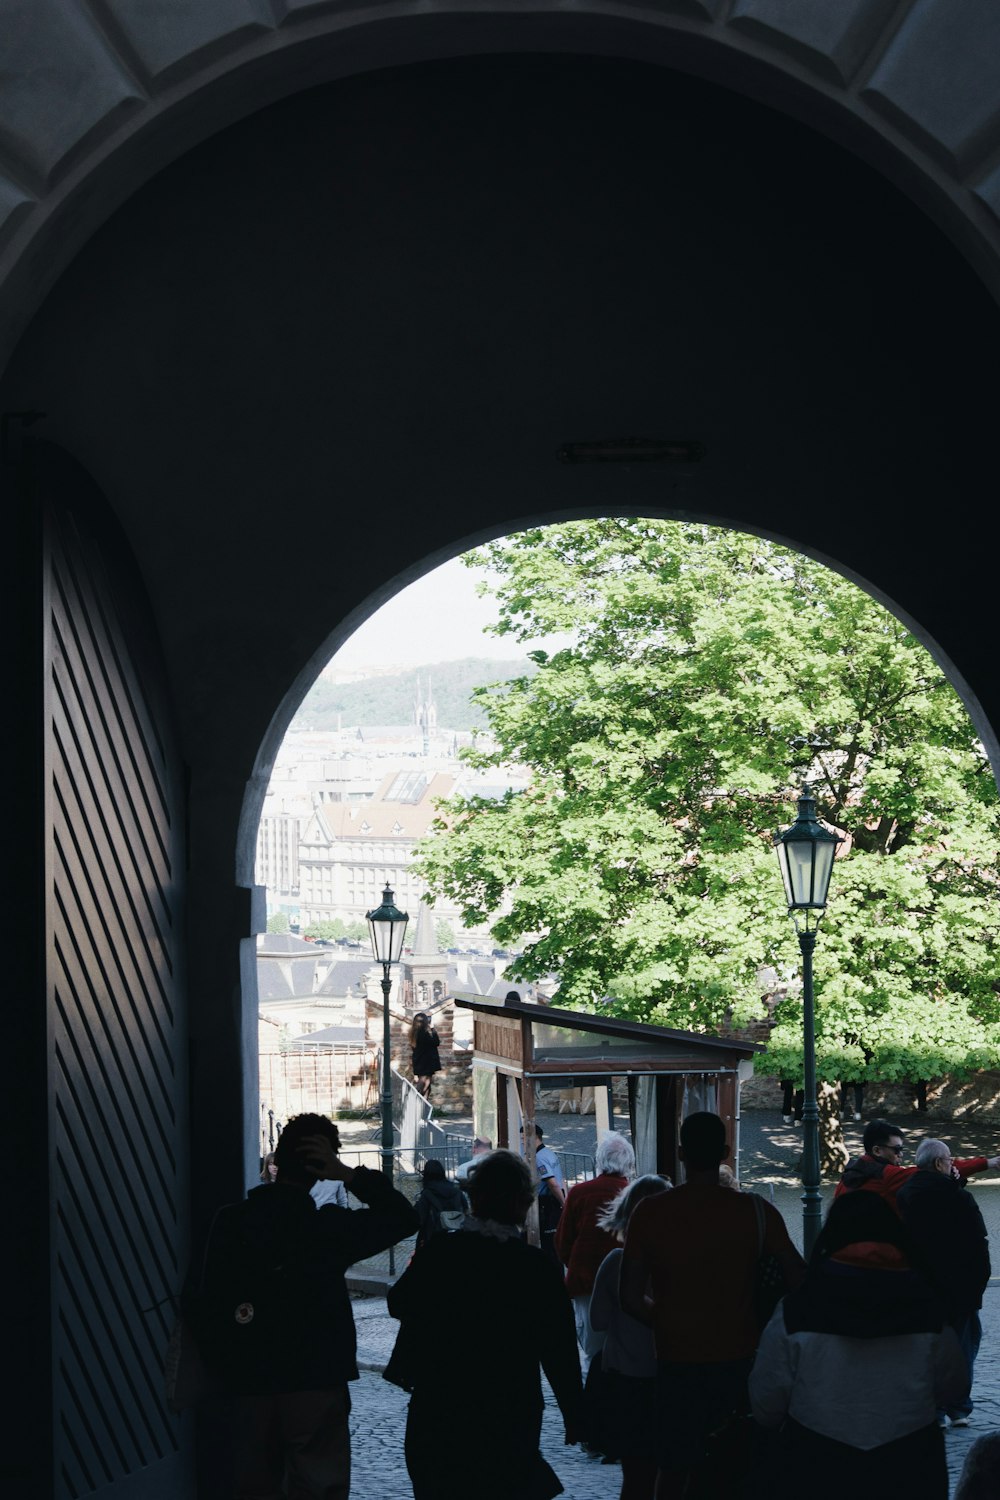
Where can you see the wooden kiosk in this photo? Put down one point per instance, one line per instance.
(519, 1047)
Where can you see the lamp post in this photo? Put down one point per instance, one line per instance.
(387, 927)
(805, 856)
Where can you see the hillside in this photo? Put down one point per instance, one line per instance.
(390, 700)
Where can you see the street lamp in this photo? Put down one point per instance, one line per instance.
(387, 927)
(805, 855)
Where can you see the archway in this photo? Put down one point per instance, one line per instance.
(387, 345)
(598, 563)
(907, 87)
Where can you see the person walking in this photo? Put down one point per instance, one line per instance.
(949, 1235)
(697, 1250)
(581, 1243)
(425, 1058)
(626, 1395)
(440, 1205)
(853, 1365)
(514, 1299)
(273, 1317)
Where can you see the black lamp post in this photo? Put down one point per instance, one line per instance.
(805, 855)
(387, 926)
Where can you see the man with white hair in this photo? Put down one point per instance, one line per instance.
(580, 1244)
(948, 1233)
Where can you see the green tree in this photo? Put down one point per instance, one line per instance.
(711, 673)
(327, 929)
(445, 934)
(278, 922)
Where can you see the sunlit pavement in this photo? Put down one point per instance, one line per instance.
(769, 1151)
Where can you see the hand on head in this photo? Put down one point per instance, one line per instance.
(317, 1153)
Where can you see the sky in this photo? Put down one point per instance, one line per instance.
(438, 618)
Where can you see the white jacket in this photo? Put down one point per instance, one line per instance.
(864, 1392)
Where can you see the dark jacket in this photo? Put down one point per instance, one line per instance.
(495, 1311)
(273, 1312)
(947, 1229)
(869, 1174)
(425, 1057)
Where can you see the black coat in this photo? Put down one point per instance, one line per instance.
(496, 1311)
(280, 1257)
(425, 1056)
(948, 1232)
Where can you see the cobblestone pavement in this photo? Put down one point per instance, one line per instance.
(769, 1152)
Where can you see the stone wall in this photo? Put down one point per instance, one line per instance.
(947, 1098)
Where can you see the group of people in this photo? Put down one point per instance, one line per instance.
(868, 1355)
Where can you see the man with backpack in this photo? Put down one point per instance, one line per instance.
(273, 1314)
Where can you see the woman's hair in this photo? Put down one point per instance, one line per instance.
(618, 1212)
(433, 1171)
(500, 1188)
(860, 1218)
(265, 1175)
(419, 1025)
(615, 1154)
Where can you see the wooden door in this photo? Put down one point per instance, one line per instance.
(116, 1048)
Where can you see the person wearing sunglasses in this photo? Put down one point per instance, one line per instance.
(880, 1169)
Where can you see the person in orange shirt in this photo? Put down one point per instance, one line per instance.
(696, 1250)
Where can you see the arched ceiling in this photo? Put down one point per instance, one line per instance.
(96, 95)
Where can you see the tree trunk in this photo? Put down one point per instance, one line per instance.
(833, 1154)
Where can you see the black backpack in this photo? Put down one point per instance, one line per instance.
(247, 1301)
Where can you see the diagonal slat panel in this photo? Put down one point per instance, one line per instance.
(117, 1060)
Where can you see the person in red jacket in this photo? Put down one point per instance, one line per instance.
(580, 1244)
(880, 1171)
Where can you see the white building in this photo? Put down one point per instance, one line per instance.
(350, 851)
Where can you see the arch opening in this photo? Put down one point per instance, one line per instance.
(642, 599)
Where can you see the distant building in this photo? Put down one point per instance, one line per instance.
(350, 851)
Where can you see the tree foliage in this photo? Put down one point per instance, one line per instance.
(711, 673)
(336, 928)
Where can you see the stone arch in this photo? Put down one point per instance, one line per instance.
(97, 96)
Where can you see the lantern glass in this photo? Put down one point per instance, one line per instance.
(387, 929)
(805, 857)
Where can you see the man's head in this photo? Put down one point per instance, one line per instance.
(481, 1145)
(884, 1141)
(615, 1155)
(934, 1156)
(703, 1141)
(538, 1131)
(287, 1154)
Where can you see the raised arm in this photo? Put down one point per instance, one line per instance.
(356, 1234)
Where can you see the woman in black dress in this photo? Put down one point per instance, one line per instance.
(515, 1300)
(425, 1057)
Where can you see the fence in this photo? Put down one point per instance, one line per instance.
(417, 1137)
(320, 1080)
